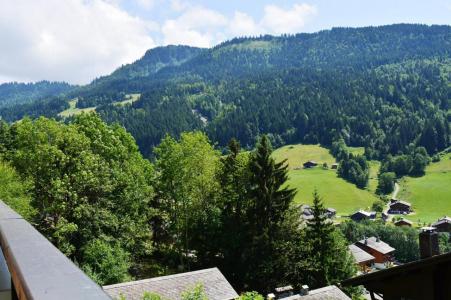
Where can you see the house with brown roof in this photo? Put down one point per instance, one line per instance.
(428, 278)
(399, 207)
(382, 252)
(363, 259)
(443, 224)
(310, 164)
(171, 287)
(403, 222)
(363, 215)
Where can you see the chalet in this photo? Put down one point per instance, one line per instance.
(363, 259)
(171, 287)
(403, 222)
(331, 212)
(334, 166)
(399, 207)
(310, 164)
(428, 278)
(363, 215)
(307, 212)
(330, 292)
(443, 224)
(381, 251)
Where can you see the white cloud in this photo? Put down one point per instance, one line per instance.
(278, 20)
(196, 26)
(203, 27)
(243, 25)
(78, 40)
(72, 40)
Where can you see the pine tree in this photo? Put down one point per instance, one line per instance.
(233, 178)
(267, 222)
(330, 255)
(270, 199)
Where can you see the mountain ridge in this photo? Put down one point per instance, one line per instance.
(308, 87)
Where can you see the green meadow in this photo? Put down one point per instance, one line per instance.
(74, 110)
(430, 194)
(345, 197)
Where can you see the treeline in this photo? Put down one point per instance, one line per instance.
(48, 107)
(14, 93)
(382, 111)
(89, 190)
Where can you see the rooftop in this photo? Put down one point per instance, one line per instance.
(376, 244)
(403, 221)
(443, 220)
(397, 271)
(366, 213)
(171, 287)
(401, 202)
(359, 254)
(330, 292)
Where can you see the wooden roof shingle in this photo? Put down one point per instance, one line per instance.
(171, 287)
(330, 292)
(376, 244)
(359, 254)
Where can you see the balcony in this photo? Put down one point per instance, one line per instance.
(32, 268)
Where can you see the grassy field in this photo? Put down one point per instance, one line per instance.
(299, 154)
(129, 99)
(357, 150)
(73, 110)
(374, 171)
(336, 192)
(430, 195)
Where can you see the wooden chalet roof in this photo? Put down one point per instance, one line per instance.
(378, 245)
(441, 221)
(397, 202)
(359, 254)
(402, 270)
(171, 287)
(403, 221)
(330, 292)
(365, 213)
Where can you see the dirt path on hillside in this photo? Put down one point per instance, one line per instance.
(395, 191)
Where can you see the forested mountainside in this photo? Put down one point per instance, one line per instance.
(19, 93)
(378, 87)
(43, 98)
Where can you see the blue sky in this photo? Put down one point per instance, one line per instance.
(330, 13)
(79, 40)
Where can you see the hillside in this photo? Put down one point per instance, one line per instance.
(345, 197)
(429, 194)
(374, 86)
(18, 93)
